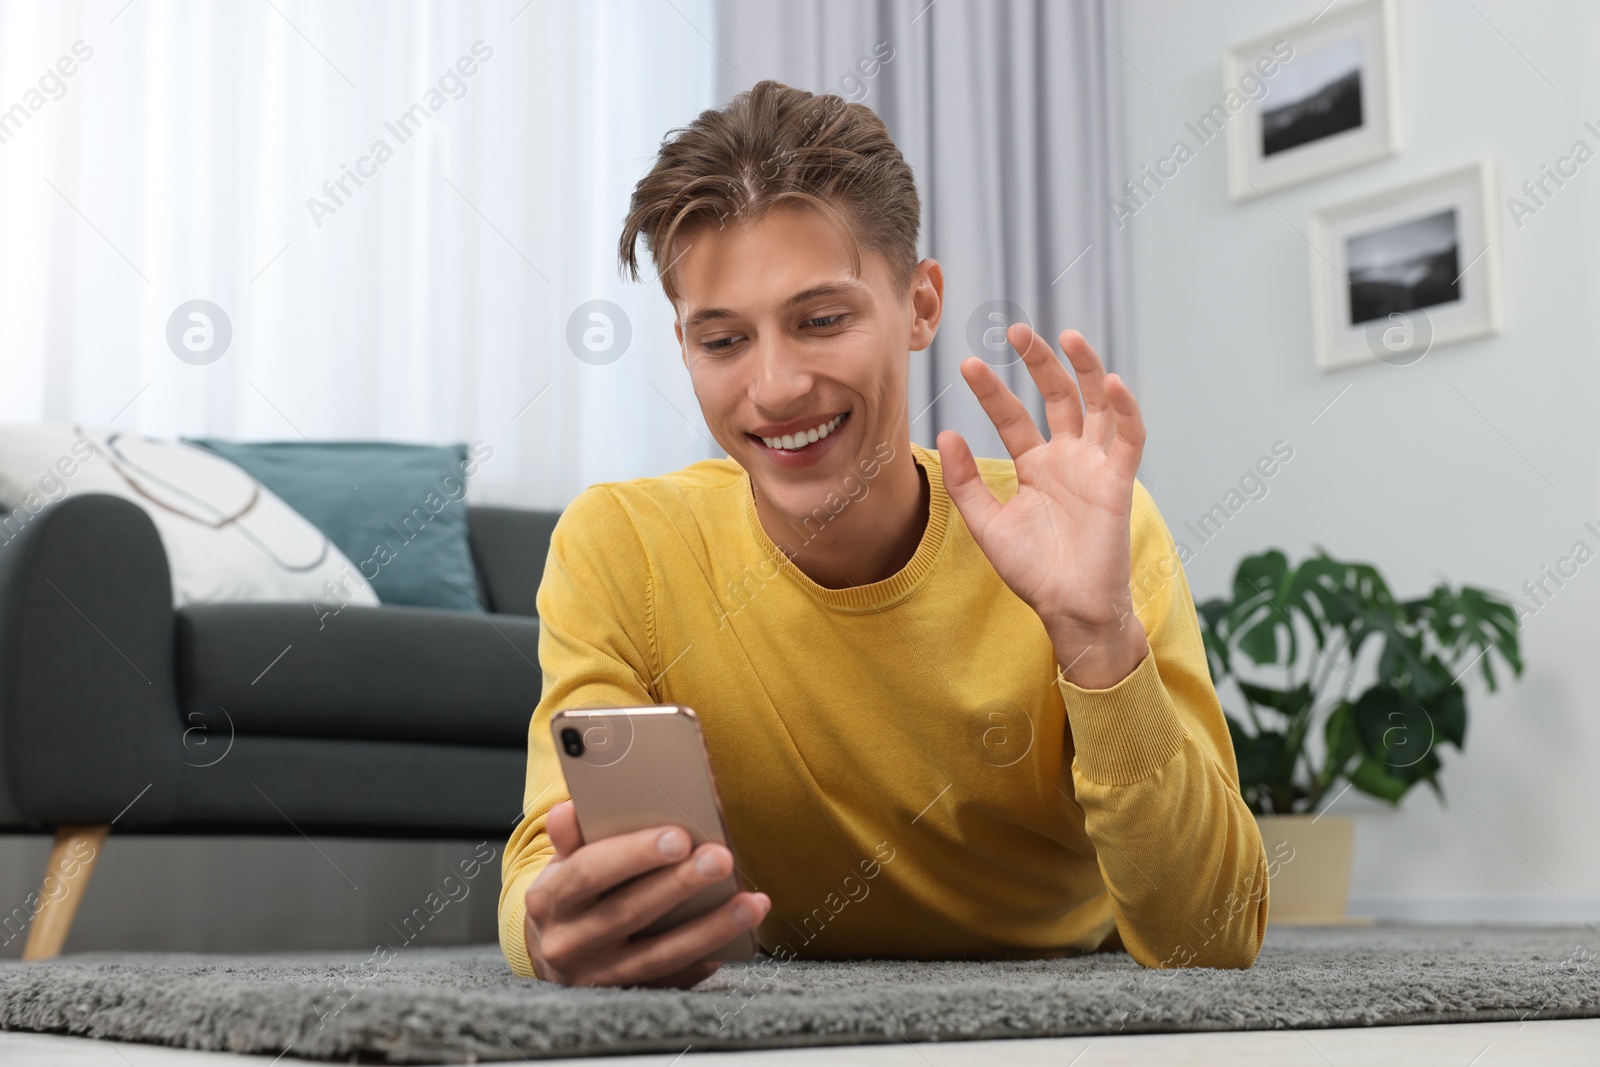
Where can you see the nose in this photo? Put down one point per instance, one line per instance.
(781, 379)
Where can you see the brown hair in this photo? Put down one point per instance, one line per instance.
(774, 144)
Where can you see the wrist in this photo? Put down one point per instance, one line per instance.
(1100, 659)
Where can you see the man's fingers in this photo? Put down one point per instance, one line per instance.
(600, 865)
(1129, 446)
(1009, 415)
(974, 499)
(1099, 420)
(682, 946)
(636, 905)
(1061, 407)
(561, 823)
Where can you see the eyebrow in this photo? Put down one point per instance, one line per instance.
(851, 288)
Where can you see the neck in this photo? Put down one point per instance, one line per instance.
(871, 538)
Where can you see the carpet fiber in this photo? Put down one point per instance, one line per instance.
(462, 1005)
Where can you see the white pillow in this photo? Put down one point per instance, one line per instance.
(228, 537)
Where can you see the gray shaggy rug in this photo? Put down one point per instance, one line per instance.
(463, 1005)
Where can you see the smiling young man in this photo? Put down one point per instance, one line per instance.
(941, 725)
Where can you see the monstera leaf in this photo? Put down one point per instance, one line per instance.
(1289, 641)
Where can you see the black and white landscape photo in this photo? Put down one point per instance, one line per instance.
(1403, 267)
(1332, 105)
(1314, 95)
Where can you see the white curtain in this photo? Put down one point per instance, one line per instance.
(1007, 111)
(430, 302)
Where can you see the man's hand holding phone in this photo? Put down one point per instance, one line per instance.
(578, 933)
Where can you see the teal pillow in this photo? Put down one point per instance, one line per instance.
(396, 510)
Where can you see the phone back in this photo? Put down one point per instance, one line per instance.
(643, 767)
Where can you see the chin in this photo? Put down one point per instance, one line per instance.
(788, 495)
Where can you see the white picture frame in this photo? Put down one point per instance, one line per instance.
(1344, 67)
(1381, 289)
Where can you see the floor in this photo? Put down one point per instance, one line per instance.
(1562, 1041)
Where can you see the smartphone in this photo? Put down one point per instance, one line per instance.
(632, 768)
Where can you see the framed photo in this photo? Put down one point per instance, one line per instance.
(1403, 271)
(1327, 98)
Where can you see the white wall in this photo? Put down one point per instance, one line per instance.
(1401, 472)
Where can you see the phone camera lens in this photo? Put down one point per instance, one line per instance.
(572, 741)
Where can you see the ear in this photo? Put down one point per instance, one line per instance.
(927, 303)
(677, 329)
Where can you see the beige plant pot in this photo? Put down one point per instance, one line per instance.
(1308, 868)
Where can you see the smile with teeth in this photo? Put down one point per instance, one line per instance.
(794, 442)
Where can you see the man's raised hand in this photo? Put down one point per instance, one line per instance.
(1062, 542)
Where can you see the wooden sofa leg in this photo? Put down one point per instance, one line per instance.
(72, 860)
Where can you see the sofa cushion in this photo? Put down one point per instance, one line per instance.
(227, 536)
(286, 785)
(510, 546)
(395, 509)
(387, 673)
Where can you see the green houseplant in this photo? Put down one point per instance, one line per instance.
(1291, 639)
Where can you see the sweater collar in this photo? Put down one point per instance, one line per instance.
(874, 596)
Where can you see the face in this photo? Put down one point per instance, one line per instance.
(799, 366)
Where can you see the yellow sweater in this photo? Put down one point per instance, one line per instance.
(902, 767)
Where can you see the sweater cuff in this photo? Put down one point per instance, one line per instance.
(1125, 733)
(512, 932)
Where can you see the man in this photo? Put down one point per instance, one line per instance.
(940, 723)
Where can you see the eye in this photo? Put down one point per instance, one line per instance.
(826, 320)
(721, 344)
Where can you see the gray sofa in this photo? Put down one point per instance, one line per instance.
(119, 712)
